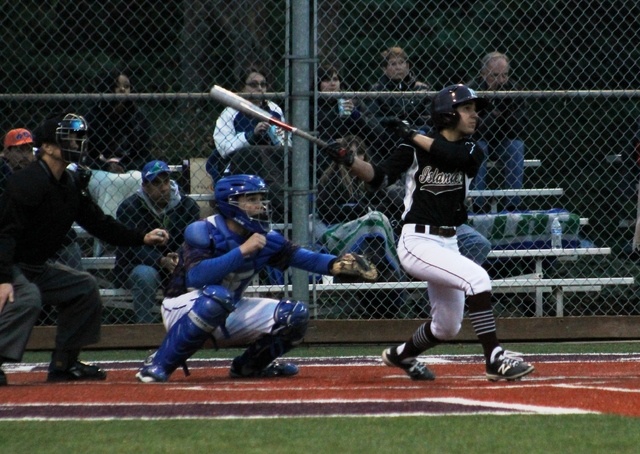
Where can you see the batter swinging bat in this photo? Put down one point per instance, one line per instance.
(230, 99)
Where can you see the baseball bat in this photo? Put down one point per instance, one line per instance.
(228, 98)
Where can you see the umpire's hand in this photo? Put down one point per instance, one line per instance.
(157, 237)
(6, 294)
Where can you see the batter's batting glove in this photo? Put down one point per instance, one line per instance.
(354, 266)
(339, 154)
(399, 128)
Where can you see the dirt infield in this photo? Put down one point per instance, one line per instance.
(344, 386)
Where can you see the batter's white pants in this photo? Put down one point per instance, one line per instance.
(451, 277)
(252, 318)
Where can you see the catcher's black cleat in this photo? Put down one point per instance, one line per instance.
(274, 369)
(3, 378)
(508, 366)
(414, 368)
(77, 371)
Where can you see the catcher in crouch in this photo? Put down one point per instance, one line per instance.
(220, 256)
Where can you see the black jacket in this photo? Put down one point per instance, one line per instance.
(437, 189)
(37, 211)
(507, 119)
(124, 135)
(136, 212)
(413, 109)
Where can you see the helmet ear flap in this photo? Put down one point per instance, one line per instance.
(445, 120)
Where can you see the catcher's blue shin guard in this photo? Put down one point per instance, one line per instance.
(291, 320)
(187, 335)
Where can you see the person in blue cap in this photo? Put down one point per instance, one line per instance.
(145, 269)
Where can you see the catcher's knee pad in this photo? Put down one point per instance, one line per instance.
(211, 308)
(292, 319)
(187, 335)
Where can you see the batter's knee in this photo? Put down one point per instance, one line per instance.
(480, 282)
(445, 332)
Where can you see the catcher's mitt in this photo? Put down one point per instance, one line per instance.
(355, 266)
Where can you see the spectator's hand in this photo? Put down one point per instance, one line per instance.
(157, 237)
(261, 128)
(6, 294)
(339, 154)
(348, 105)
(399, 128)
(255, 243)
(258, 134)
(169, 261)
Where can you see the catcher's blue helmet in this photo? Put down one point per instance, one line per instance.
(443, 107)
(227, 190)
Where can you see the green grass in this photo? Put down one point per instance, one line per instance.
(449, 434)
(307, 350)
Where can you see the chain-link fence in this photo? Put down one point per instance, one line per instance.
(560, 142)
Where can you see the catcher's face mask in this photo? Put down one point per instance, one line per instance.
(252, 211)
(71, 136)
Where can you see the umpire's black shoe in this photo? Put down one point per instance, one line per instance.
(414, 368)
(77, 371)
(3, 378)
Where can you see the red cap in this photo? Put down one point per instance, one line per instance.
(17, 137)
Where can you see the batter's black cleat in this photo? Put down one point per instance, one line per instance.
(274, 369)
(3, 378)
(77, 371)
(508, 366)
(413, 368)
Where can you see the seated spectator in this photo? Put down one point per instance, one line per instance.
(144, 269)
(246, 145)
(120, 131)
(397, 76)
(351, 220)
(501, 131)
(120, 144)
(341, 117)
(235, 130)
(18, 153)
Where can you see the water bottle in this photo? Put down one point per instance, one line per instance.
(556, 234)
(343, 110)
(273, 135)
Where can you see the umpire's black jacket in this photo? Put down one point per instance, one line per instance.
(37, 211)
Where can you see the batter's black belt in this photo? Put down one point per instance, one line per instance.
(446, 232)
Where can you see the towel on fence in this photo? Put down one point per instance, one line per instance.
(356, 236)
(526, 230)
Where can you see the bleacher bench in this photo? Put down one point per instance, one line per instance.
(534, 283)
(121, 298)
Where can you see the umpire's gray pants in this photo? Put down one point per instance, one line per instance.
(74, 293)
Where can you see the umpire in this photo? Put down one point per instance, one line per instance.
(37, 209)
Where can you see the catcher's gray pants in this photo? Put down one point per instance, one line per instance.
(74, 293)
